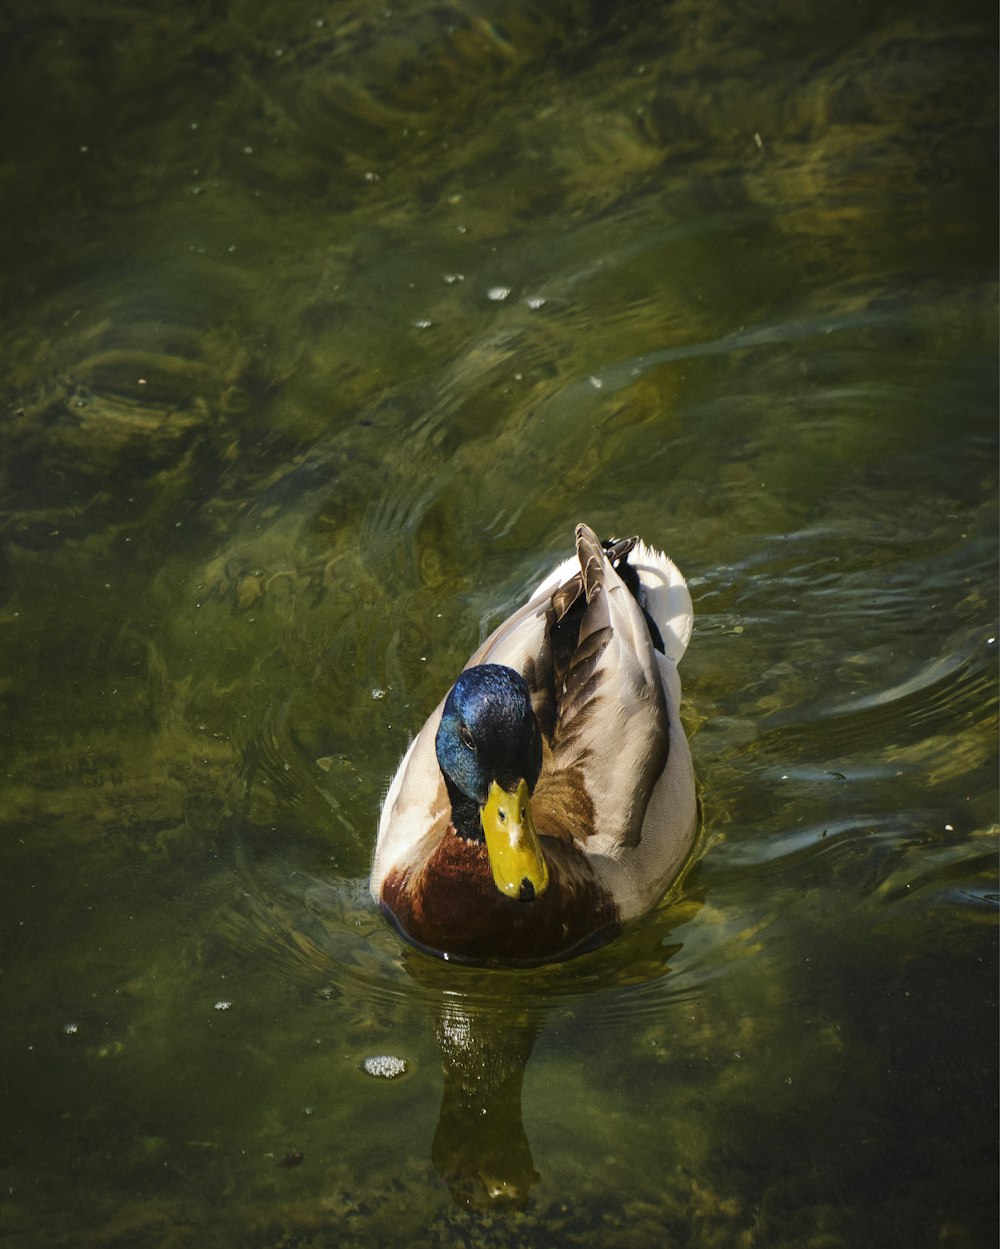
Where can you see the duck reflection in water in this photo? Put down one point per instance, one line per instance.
(486, 1023)
(480, 1148)
(548, 799)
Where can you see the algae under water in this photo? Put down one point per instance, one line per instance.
(321, 328)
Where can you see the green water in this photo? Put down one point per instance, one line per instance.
(321, 328)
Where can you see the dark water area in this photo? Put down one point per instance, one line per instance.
(321, 328)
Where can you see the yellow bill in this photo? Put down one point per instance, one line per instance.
(516, 859)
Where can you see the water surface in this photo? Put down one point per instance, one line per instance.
(322, 327)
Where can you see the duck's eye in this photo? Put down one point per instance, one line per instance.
(501, 815)
(468, 741)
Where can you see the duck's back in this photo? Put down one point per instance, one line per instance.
(617, 776)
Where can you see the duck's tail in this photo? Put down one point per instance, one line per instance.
(653, 578)
(660, 589)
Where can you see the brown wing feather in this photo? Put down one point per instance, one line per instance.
(592, 634)
(567, 594)
(590, 553)
(585, 688)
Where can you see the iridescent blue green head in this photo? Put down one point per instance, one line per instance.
(489, 749)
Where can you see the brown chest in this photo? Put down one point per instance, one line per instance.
(450, 906)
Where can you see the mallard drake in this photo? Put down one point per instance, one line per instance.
(550, 796)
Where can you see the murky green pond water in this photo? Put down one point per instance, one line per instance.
(321, 327)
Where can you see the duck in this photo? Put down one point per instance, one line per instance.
(549, 799)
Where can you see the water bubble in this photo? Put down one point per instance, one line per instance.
(223, 1005)
(498, 293)
(384, 1066)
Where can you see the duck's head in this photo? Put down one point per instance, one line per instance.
(489, 749)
